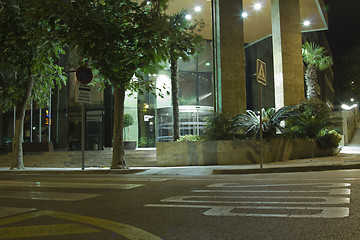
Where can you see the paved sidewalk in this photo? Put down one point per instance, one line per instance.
(340, 161)
(348, 158)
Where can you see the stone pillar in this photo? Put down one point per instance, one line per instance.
(288, 64)
(229, 57)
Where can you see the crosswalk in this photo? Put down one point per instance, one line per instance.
(296, 200)
(51, 189)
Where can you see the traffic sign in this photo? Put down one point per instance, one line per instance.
(84, 75)
(261, 72)
(83, 93)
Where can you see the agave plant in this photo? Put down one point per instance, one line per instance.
(271, 121)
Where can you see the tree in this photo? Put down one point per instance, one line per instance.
(315, 59)
(118, 38)
(29, 51)
(182, 43)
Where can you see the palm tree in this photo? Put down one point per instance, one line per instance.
(315, 58)
(182, 43)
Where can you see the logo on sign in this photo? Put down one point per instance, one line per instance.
(261, 72)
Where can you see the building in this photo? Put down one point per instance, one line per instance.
(221, 78)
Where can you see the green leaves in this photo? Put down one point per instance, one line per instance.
(314, 54)
(182, 40)
(29, 50)
(249, 122)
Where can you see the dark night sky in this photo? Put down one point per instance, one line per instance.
(344, 25)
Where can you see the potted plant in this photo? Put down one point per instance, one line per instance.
(128, 121)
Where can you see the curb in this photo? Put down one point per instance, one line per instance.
(286, 169)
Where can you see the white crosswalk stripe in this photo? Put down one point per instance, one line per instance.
(300, 200)
(42, 184)
(54, 196)
(8, 211)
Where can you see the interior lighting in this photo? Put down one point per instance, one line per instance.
(257, 6)
(188, 17)
(306, 23)
(207, 64)
(244, 14)
(197, 9)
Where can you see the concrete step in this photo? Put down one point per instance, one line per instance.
(100, 158)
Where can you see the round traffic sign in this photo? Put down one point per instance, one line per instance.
(84, 75)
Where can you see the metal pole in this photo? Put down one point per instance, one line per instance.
(197, 121)
(40, 125)
(83, 136)
(14, 121)
(49, 120)
(31, 120)
(261, 131)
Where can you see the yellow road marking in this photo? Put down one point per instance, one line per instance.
(130, 232)
(44, 230)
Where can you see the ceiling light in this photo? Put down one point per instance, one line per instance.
(257, 6)
(207, 64)
(306, 23)
(197, 9)
(244, 14)
(188, 16)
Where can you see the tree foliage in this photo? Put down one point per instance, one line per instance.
(28, 50)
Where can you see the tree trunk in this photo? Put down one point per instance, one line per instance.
(175, 98)
(310, 78)
(118, 160)
(17, 160)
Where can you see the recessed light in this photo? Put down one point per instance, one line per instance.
(257, 6)
(306, 23)
(188, 16)
(244, 14)
(197, 9)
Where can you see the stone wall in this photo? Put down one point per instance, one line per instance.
(200, 153)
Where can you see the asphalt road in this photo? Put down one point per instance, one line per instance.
(313, 205)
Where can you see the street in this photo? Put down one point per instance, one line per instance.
(312, 205)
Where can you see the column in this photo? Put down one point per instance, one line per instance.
(229, 57)
(288, 64)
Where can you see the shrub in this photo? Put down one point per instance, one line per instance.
(313, 115)
(189, 138)
(128, 120)
(219, 127)
(328, 139)
(146, 142)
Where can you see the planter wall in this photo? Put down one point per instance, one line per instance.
(237, 152)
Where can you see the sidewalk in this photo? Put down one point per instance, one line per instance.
(348, 158)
